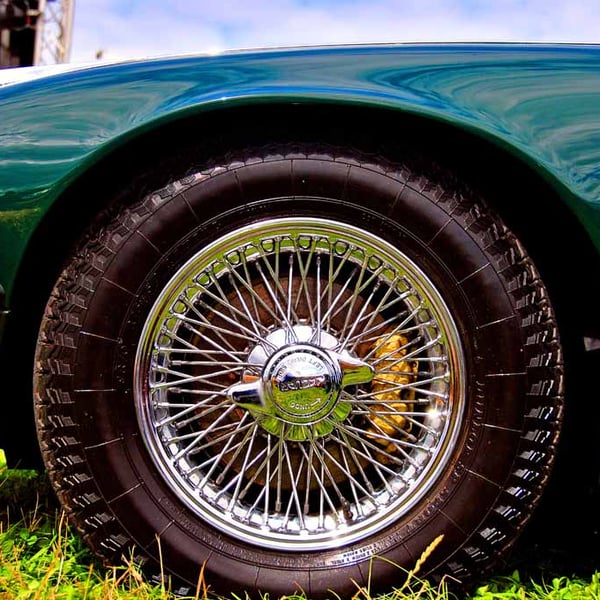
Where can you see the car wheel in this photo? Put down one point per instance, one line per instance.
(300, 366)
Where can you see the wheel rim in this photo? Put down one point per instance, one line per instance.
(299, 383)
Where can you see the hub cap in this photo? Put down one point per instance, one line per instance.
(303, 383)
(299, 384)
(299, 388)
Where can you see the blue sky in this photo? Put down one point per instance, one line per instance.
(123, 29)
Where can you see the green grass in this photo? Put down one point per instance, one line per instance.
(41, 558)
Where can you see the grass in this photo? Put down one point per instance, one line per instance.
(41, 558)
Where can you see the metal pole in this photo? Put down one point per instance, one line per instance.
(67, 28)
(54, 31)
(39, 33)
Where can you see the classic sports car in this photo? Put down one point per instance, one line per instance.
(296, 314)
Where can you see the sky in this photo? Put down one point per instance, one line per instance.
(124, 29)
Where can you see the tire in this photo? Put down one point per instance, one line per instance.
(184, 361)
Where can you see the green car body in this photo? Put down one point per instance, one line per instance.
(521, 121)
(538, 103)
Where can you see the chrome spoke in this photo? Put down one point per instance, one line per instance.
(335, 271)
(193, 408)
(290, 287)
(193, 392)
(355, 486)
(397, 329)
(236, 313)
(215, 460)
(419, 329)
(277, 282)
(330, 313)
(222, 333)
(280, 445)
(196, 378)
(258, 299)
(294, 499)
(203, 337)
(357, 319)
(354, 483)
(307, 487)
(364, 456)
(253, 298)
(265, 465)
(372, 398)
(358, 434)
(384, 473)
(316, 338)
(240, 480)
(303, 289)
(372, 315)
(239, 477)
(319, 478)
(229, 446)
(279, 309)
(348, 305)
(328, 481)
(201, 320)
(200, 436)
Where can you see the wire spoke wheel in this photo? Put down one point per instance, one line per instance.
(293, 359)
(300, 383)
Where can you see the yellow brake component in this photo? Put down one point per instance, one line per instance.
(392, 371)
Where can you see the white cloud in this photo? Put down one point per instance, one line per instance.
(151, 27)
(101, 26)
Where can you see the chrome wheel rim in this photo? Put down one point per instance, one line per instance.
(300, 384)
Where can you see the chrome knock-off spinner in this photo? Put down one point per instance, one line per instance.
(299, 387)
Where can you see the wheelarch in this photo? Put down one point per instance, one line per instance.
(519, 194)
